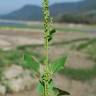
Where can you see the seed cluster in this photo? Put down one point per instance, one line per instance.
(45, 81)
(48, 28)
(46, 16)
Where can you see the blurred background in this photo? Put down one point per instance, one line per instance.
(21, 31)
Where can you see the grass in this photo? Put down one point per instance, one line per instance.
(91, 51)
(80, 74)
(8, 58)
(86, 44)
(89, 48)
(16, 57)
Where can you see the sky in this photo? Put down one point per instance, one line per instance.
(7, 6)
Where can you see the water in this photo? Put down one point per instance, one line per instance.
(12, 24)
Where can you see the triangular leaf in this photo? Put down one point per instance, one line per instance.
(40, 88)
(29, 62)
(58, 64)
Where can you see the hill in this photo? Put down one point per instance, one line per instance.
(28, 12)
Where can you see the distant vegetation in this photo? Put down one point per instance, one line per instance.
(80, 18)
(83, 12)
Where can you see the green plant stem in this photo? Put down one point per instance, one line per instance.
(46, 52)
(46, 28)
(46, 90)
(46, 33)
